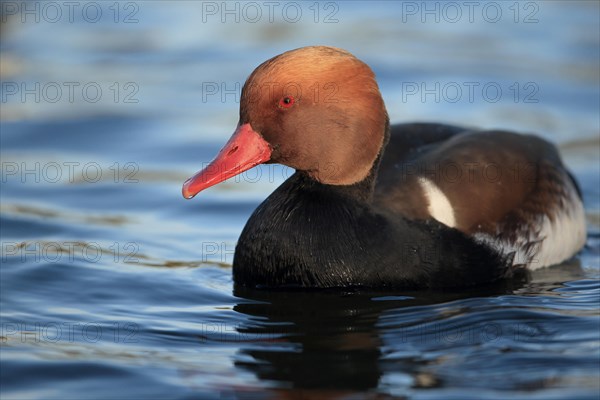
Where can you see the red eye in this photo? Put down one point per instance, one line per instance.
(286, 102)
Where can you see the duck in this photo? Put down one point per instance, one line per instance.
(374, 205)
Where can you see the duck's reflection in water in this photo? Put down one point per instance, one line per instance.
(329, 341)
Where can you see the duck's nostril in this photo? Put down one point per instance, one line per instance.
(232, 151)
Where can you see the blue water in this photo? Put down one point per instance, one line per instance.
(114, 286)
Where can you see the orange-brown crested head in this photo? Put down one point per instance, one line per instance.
(320, 110)
(316, 109)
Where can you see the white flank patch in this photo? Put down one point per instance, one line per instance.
(563, 237)
(545, 242)
(439, 205)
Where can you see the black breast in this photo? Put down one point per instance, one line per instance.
(311, 235)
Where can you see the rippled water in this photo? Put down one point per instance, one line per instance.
(114, 286)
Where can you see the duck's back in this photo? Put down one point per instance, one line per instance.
(508, 190)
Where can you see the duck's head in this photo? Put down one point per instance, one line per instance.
(315, 109)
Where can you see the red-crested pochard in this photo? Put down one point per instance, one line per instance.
(374, 205)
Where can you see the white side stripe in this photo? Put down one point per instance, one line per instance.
(439, 205)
